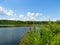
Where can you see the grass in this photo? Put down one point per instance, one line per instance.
(46, 35)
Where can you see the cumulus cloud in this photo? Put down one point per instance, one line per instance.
(7, 12)
(33, 16)
(30, 16)
(28, 13)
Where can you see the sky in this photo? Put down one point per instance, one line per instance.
(30, 10)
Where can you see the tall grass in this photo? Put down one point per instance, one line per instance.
(46, 35)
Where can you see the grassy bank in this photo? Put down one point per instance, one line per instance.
(45, 35)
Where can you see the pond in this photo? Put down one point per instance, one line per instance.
(11, 36)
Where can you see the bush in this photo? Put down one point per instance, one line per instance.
(43, 36)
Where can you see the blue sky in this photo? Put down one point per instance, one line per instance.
(38, 10)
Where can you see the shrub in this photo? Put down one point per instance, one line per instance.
(43, 36)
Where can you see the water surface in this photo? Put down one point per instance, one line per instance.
(11, 36)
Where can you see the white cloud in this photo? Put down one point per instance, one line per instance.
(39, 14)
(1, 9)
(7, 12)
(21, 16)
(29, 14)
(32, 16)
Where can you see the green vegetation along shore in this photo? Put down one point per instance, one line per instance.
(46, 35)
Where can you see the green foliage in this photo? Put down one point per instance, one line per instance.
(31, 38)
(46, 35)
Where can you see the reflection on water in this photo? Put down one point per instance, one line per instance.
(11, 36)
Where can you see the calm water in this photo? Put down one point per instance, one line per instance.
(11, 36)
